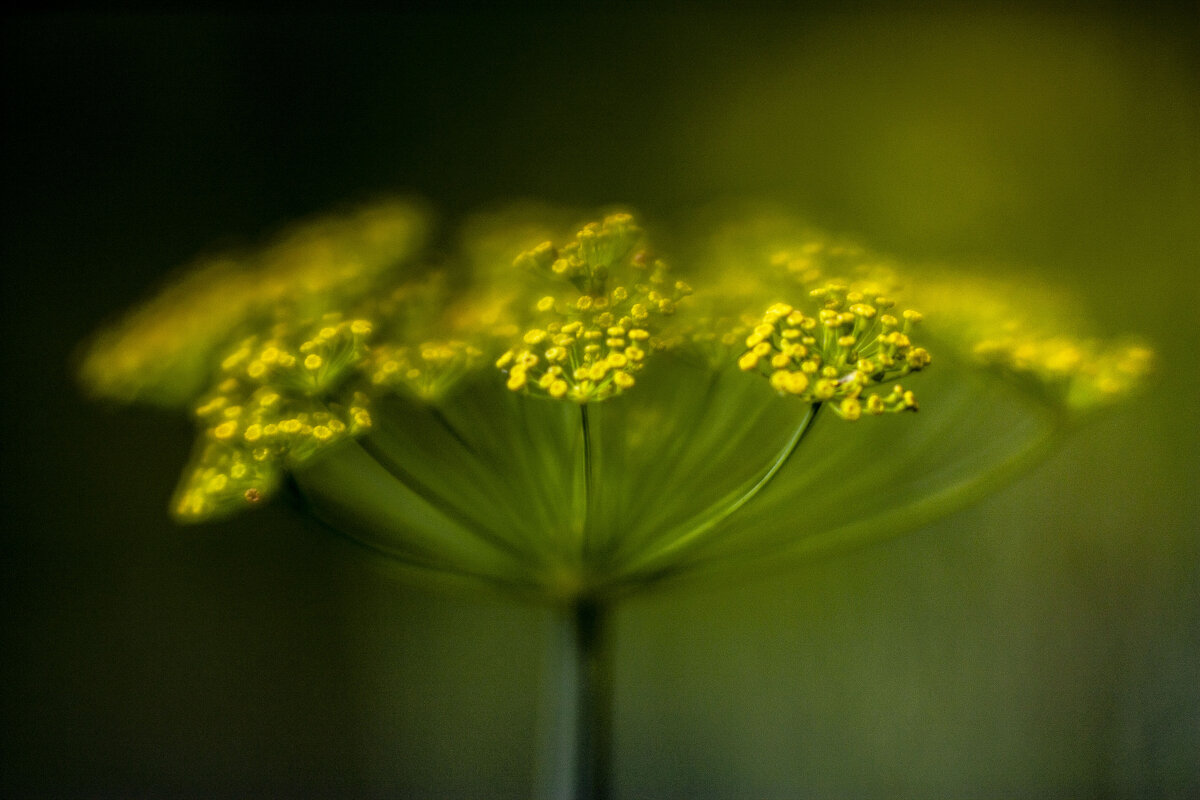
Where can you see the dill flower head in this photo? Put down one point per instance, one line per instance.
(567, 412)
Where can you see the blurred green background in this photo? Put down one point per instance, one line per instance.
(1044, 643)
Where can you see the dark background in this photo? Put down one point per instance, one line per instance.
(1044, 643)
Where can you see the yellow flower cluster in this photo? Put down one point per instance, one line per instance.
(224, 479)
(587, 347)
(287, 348)
(428, 370)
(1020, 331)
(849, 345)
(311, 367)
(1086, 373)
(163, 352)
(277, 402)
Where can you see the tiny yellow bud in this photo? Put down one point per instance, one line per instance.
(918, 358)
(313, 361)
(795, 382)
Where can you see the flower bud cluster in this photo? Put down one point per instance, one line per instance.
(1085, 373)
(277, 402)
(834, 356)
(587, 347)
(163, 352)
(1022, 330)
(428, 370)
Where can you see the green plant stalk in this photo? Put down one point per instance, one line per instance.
(577, 719)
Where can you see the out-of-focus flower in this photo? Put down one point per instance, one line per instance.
(577, 416)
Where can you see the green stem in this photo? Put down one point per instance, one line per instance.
(687, 535)
(589, 486)
(576, 754)
(909, 517)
